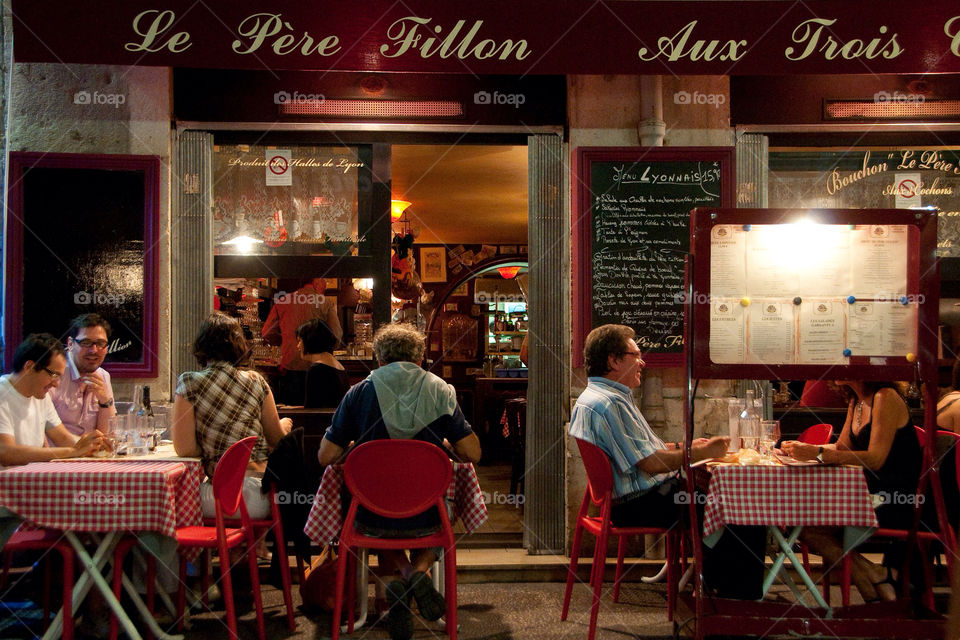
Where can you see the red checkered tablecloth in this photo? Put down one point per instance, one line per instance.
(786, 496)
(326, 515)
(102, 495)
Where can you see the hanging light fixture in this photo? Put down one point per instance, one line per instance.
(508, 272)
(397, 207)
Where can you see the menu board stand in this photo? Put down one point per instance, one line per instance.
(745, 264)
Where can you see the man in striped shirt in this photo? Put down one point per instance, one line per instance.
(644, 467)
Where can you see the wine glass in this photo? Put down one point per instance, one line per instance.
(769, 435)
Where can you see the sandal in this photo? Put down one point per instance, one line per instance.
(887, 580)
(431, 604)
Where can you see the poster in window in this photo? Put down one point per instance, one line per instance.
(433, 264)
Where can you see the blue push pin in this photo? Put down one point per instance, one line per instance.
(851, 299)
(746, 227)
(904, 300)
(847, 353)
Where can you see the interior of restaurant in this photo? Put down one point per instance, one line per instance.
(466, 288)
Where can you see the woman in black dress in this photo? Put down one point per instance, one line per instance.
(879, 436)
(327, 381)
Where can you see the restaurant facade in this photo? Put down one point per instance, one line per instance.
(820, 105)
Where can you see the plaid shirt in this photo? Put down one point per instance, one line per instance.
(226, 403)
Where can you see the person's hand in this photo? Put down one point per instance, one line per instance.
(95, 383)
(286, 424)
(715, 447)
(800, 450)
(87, 444)
(698, 442)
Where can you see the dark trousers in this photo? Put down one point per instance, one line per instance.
(292, 388)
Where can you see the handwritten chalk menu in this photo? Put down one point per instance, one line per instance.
(638, 204)
(805, 293)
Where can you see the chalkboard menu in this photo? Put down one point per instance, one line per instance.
(633, 236)
(82, 238)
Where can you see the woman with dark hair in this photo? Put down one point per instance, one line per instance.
(221, 404)
(948, 409)
(879, 436)
(327, 381)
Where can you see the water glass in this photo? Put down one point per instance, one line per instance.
(769, 435)
(117, 434)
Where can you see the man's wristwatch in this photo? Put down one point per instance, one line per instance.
(820, 456)
(104, 405)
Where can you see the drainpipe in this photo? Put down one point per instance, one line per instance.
(652, 127)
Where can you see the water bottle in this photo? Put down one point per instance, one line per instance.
(749, 424)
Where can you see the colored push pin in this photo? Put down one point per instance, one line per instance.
(904, 300)
(797, 300)
(746, 227)
(744, 302)
(851, 227)
(847, 353)
(911, 357)
(851, 299)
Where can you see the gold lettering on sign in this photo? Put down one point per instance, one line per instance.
(411, 33)
(260, 28)
(811, 34)
(949, 27)
(836, 182)
(681, 45)
(150, 34)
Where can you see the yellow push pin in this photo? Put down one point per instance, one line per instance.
(911, 357)
(744, 302)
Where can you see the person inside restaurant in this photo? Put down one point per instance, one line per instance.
(27, 414)
(84, 397)
(327, 380)
(948, 409)
(289, 311)
(879, 436)
(222, 404)
(400, 400)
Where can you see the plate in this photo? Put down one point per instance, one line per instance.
(793, 462)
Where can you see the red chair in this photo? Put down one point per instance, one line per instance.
(228, 498)
(599, 492)
(396, 479)
(46, 540)
(817, 434)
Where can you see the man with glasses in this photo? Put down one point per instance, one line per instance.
(644, 467)
(26, 411)
(84, 398)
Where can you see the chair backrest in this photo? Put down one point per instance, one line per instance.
(229, 473)
(817, 434)
(599, 471)
(397, 478)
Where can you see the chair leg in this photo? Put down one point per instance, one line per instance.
(151, 588)
(67, 552)
(228, 591)
(450, 590)
(672, 576)
(845, 580)
(281, 551)
(825, 586)
(119, 554)
(621, 553)
(182, 593)
(255, 583)
(45, 598)
(927, 576)
(205, 569)
(353, 565)
(338, 598)
(599, 566)
(571, 571)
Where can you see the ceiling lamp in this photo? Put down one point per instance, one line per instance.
(508, 272)
(397, 207)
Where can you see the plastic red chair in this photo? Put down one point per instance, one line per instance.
(817, 434)
(228, 497)
(396, 479)
(46, 540)
(599, 492)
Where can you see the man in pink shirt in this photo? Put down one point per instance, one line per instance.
(84, 399)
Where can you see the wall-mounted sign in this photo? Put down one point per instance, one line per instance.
(279, 172)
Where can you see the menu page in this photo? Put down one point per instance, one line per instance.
(770, 329)
(726, 332)
(770, 272)
(882, 328)
(727, 264)
(821, 331)
(822, 256)
(878, 261)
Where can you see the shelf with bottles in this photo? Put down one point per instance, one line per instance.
(506, 328)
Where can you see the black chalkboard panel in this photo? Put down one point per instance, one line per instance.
(82, 239)
(634, 234)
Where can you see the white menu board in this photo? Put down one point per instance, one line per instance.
(726, 331)
(821, 331)
(770, 329)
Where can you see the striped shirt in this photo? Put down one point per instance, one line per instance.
(606, 415)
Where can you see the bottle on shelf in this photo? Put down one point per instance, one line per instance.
(749, 423)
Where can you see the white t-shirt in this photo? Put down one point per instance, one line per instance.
(25, 418)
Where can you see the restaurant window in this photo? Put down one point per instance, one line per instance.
(872, 178)
(291, 200)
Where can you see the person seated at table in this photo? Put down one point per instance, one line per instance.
(948, 409)
(27, 415)
(222, 404)
(644, 467)
(327, 380)
(879, 436)
(84, 397)
(400, 400)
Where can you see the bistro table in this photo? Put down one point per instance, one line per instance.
(105, 497)
(326, 515)
(789, 497)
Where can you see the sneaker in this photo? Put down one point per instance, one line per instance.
(431, 604)
(399, 618)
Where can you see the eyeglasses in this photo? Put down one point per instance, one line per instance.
(86, 343)
(631, 353)
(52, 374)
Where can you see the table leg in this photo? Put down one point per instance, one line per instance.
(786, 547)
(145, 613)
(164, 596)
(103, 553)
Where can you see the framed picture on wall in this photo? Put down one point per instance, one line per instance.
(462, 290)
(433, 264)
